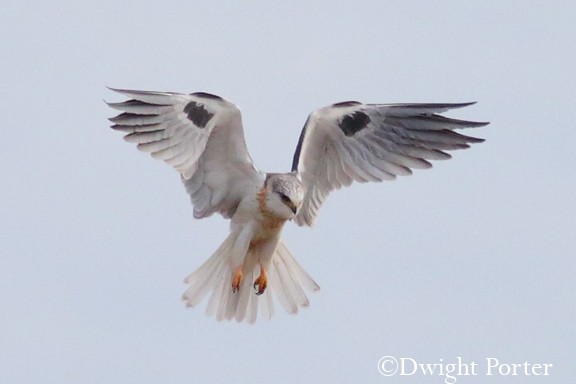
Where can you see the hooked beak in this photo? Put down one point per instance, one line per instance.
(292, 206)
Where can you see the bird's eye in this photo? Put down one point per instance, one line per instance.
(285, 198)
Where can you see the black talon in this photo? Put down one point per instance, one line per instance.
(257, 289)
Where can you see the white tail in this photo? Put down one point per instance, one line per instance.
(286, 280)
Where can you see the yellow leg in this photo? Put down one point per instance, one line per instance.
(237, 279)
(261, 282)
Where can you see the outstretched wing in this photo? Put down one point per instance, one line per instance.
(200, 135)
(352, 141)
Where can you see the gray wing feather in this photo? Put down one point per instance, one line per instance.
(200, 135)
(350, 141)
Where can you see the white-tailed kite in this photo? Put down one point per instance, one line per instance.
(201, 136)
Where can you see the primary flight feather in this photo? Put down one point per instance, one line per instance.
(201, 136)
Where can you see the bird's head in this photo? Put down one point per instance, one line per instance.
(284, 194)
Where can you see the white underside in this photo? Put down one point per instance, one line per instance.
(286, 281)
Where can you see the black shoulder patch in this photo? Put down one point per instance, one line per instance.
(296, 158)
(206, 95)
(351, 124)
(346, 104)
(197, 114)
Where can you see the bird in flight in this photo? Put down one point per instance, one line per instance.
(201, 136)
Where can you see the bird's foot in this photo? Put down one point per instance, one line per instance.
(237, 279)
(261, 282)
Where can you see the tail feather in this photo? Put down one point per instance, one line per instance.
(288, 292)
(244, 301)
(219, 288)
(296, 269)
(290, 277)
(286, 282)
(202, 280)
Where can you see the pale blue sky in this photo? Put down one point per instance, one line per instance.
(474, 258)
